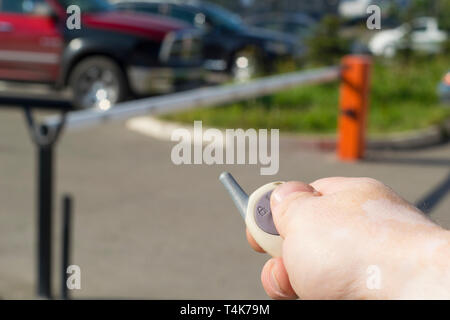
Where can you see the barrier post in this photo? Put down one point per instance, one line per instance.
(353, 106)
(67, 207)
(44, 231)
(45, 138)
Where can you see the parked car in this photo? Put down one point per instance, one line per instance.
(297, 24)
(230, 46)
(357, 9)
(444, 88)
(112, 54)
(423, 34)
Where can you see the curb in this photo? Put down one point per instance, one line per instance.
(419, 139)
(424, 138)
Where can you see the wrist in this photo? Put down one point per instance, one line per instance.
(430, 273)
(414, 266)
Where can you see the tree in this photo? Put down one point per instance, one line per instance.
(326, 46)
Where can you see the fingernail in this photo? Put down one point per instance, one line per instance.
(274, 282)
(281, 193)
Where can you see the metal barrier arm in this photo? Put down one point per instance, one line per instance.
(204, 97)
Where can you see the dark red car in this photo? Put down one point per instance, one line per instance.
(112, 55)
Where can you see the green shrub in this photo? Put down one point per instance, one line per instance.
(403, 97)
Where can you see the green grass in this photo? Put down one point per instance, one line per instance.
(403, 97)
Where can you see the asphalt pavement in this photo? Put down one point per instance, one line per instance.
(146, 228)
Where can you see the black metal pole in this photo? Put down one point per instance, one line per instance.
(66, 234)
(45, 140)
(45, 208)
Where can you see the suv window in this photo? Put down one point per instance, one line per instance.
(35, 7)
(145, 7)
(419, 26)
(23, 6)
(148, 7)
(182, 14)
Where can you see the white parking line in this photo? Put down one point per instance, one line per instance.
(159, 129)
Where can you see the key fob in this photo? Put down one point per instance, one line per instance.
(256, 212)
(259, 220)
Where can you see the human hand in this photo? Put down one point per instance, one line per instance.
(354, 238)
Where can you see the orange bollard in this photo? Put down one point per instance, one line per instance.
(353, 105)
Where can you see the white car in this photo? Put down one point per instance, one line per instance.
(354, 9)
(425, 36)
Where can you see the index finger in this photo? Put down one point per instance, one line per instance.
(253, 242)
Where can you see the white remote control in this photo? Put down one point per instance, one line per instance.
(256, 212)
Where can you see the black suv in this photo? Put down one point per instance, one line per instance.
(229, 44)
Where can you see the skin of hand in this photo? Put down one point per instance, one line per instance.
(354, 238)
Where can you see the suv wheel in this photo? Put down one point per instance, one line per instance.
(97, 82)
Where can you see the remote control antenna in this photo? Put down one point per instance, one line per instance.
(239, 197)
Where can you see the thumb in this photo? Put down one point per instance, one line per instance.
(281, 199)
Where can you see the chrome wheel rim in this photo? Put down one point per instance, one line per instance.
(98, 88)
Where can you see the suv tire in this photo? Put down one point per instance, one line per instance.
(97, 82)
